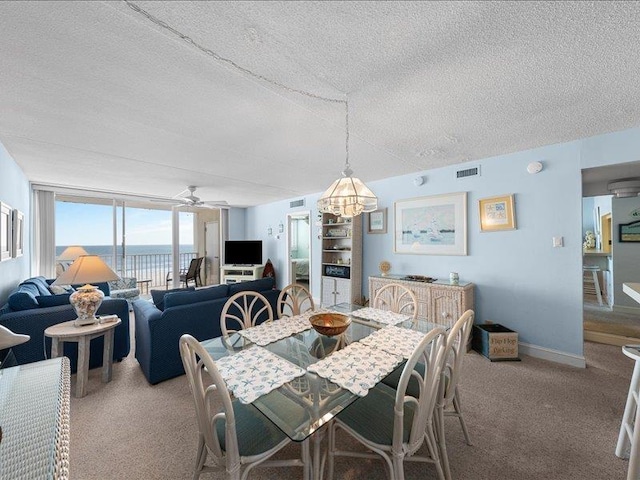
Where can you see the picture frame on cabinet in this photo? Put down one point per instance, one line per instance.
(18, 233)
(6, 235)
(434, 225)
(377, 221)
(497, 213)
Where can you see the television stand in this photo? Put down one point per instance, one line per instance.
(240, 273)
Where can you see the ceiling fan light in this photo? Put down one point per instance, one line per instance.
(347, 197)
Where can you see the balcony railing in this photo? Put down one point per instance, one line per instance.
(151, 266)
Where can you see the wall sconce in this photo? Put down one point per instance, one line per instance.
(281, 227)
(269, 230)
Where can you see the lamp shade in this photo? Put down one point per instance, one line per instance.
(71, 253)
(347, 197)
(86, 269)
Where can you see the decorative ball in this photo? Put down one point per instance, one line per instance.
(384, 268)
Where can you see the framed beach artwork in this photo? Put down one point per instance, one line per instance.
(18, 233)
(6, 238)
(630, 232)
(497, 213)
(378, 221)
(435, 225)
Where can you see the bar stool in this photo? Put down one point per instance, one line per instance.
(629, 437)
(591, 282)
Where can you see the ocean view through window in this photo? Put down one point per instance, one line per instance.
(141, 246)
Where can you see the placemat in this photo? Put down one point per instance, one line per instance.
(255, 371)
(267, 333)
(357, 367)
(394, 340)
(381, 316)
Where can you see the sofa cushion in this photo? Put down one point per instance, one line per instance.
(40, 283)
(202, 295)
(53, 300)
(252, 286)
(24, 298)
(158, 295)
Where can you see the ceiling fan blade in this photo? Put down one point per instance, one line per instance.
(216, 202)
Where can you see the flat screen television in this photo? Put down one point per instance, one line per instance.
(243, 252)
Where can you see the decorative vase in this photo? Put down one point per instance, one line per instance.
(384, 268)
(86, 301)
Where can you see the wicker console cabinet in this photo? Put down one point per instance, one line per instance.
(438, 302)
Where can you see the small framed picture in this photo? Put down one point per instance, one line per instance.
(497, 213)
(6, 235)
(18, 233)
(378, 221)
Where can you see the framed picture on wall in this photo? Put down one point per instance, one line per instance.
(6, 237)
(18, 233)
(497, 213)
(630, 232)
(435, 225)
(378, 221)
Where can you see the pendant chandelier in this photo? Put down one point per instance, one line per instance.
(347, 196)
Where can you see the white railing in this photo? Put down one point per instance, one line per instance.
(150, 266)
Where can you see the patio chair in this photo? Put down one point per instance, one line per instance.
(238, 436)
(191, 273)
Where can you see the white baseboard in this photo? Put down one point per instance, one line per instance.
(552, 355)
(623, 309)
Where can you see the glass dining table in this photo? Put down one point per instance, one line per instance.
(303, 405)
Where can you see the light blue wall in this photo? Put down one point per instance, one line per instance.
(587, 215)
(237, 223)
(14, 190)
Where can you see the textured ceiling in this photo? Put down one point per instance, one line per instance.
(95, 95)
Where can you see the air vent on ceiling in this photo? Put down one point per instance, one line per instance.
(468, 172)
(297, 203)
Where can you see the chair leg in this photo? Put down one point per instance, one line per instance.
(331, 447)
(201, 457)
(398, 468)
(458, 408)
(433, 451)
(442, 441)
(306, 460)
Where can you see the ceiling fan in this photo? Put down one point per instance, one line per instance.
(187, 198)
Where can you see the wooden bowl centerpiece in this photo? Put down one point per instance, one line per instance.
(330, 324)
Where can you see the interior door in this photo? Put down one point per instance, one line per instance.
(299, 248)
(212, 253)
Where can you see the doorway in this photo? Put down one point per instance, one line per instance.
(212, 253)
(299, 248)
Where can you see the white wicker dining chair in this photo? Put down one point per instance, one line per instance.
(449, 398)
(294, 299)
(393, 424)
(238, 437)
(396, 298)
(243, 310)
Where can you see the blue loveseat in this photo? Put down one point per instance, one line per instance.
(31, 308)
(196, 312)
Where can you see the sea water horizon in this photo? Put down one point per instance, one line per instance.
(129, 249)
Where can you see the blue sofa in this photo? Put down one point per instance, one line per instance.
(31, 308)
(196, 312)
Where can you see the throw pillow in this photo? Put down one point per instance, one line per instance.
(53, 300)
(61, 289)
(158, 295)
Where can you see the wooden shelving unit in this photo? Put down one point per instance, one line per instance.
(341, 259)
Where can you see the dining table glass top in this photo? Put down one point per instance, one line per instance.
(302, 405)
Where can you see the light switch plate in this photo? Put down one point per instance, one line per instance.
(558, 242)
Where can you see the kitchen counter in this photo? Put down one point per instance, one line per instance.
(592, 252)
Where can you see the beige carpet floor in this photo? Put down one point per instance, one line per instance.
(528, 420)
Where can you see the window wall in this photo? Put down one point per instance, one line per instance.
(133, 238)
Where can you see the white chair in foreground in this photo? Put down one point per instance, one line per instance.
(393, 424)
(449, 398)
(238, 437)
(396, 298)
(294, 300)
(243, 310)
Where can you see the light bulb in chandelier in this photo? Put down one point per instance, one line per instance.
(347, 197)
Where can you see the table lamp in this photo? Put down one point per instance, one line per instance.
(86, 300)
(68, 256)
